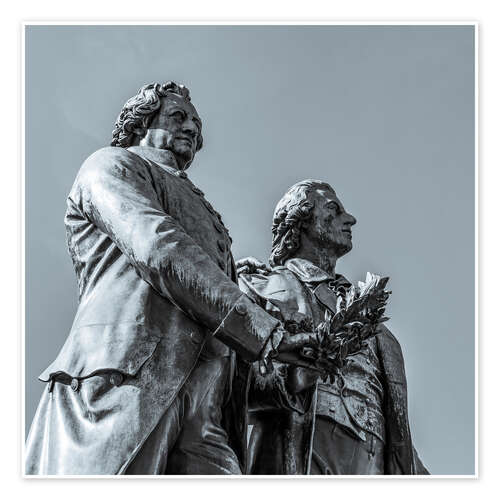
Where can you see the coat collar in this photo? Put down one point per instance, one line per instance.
(163, 157)
(307, 272)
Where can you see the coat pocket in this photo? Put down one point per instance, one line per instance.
(92, 348)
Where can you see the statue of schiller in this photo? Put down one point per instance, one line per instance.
(356, 420)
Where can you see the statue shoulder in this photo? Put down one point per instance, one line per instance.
(278, 284)
(387, 336)
(109, 156)
(110, 161)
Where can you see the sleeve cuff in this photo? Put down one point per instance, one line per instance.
(246, 328)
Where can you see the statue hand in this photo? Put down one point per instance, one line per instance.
(290, 350)
(296, 342)
(285, 347)
(251, 265)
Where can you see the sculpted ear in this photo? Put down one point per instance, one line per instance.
(307, 214)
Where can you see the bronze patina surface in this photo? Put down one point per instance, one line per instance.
(143, 376)
(355, 424)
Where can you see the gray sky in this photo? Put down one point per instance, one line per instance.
(383, 113)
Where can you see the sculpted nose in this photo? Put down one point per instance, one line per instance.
(350, 219)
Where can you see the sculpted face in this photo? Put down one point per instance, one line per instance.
(330, 225)
(176, 127)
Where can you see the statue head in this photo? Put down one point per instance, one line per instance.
(161, 116)
(310, 213)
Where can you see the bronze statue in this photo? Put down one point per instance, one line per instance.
(356, 423)
(140, 385)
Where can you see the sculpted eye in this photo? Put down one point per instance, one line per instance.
(333, 206)
(178, 115)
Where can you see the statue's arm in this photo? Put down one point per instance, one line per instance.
(116, 194)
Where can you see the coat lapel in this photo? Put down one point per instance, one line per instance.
(326, 296)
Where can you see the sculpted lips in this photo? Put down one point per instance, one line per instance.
(348, 232)
(188, 140)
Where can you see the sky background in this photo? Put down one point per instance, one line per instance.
(385, 114)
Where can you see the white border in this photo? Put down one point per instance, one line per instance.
(476, 246)
(250, 23)
(22, 240)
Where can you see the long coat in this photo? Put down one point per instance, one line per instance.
(298, 292)
(156, 281)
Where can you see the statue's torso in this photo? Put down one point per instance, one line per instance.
(355, 398)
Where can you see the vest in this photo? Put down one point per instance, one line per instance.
(354, 400)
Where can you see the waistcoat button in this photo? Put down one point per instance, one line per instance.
(75, 384)
(241, 309)
(116, 379)
(221, 245)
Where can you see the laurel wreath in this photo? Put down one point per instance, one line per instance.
(358, 313)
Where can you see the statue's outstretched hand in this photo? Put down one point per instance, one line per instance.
(251, 265)
(292, 343)
(290, 348)
(304, 372)
(287, 348)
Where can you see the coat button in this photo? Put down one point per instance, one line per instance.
(197, 190)
(221, 245)
(217, 227)
(116, 379)
(75, 384)
(222, 265)
(241, 309)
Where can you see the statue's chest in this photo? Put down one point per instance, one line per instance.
(186, 203)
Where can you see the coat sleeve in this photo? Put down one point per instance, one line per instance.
(117, 194)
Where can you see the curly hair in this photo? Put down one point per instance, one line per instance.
(139, 111)
(291, 214)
